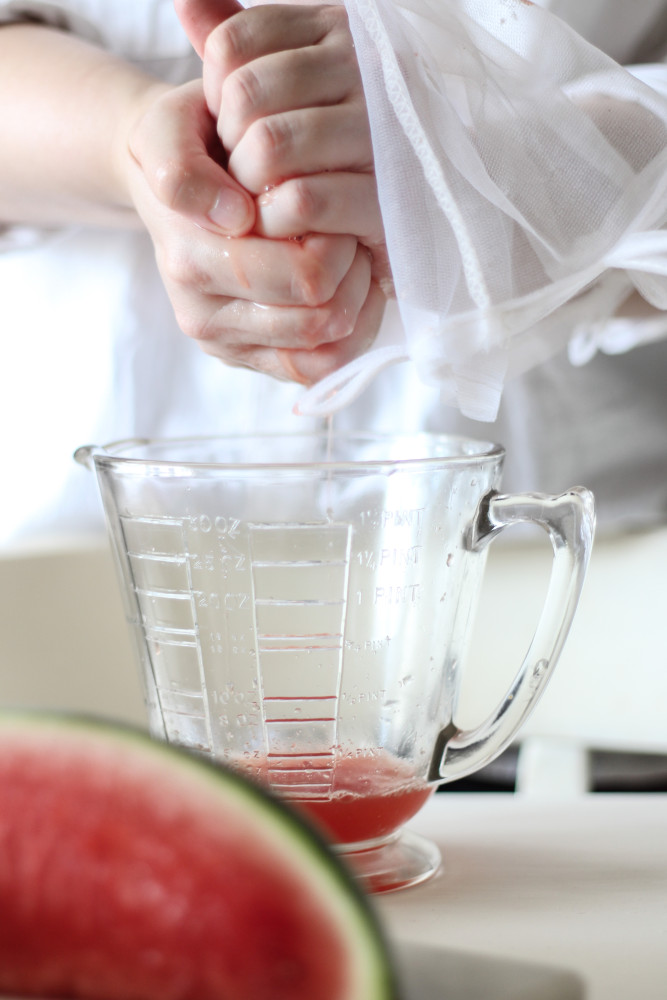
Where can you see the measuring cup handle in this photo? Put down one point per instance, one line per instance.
(569, 520)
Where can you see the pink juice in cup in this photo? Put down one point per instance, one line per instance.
(371, 795)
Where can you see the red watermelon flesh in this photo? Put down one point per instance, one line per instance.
(130, 870)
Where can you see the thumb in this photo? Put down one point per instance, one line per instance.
(200, 17)
(171, 145)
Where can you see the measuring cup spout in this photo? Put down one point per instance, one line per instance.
(84, 455)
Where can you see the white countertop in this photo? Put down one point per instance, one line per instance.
(577, 885)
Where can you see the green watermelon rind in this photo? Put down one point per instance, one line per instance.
(291, 836)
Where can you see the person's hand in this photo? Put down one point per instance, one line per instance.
(284, 85)
(292, 308)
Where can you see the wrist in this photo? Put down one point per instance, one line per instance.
(142, 93)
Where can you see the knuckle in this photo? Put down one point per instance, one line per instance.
(319, 266)
(259, 161)
(242, 91)
(207, 332)
(334, 18)
(337, 325)
(336, 32)
(194, 327)
(312, 284)
(310, 330)
(217, 339)
(326, 325)
(305, 204)
(229, 44)
(189, 322)
(271, 139)
(180, 270)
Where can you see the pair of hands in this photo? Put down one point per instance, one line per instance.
(256, 185)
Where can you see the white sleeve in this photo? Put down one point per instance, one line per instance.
(145, 32)
(522, 176)
(66, 17)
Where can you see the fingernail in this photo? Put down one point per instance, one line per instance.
(230, 210)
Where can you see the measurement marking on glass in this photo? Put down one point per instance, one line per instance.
(163, 557)
(166, 604)
(275, 602)
(312, 697)
(179, 637)
(169, 637)
(260, 563)
(285, 644)
(300, 582)
(162, 592)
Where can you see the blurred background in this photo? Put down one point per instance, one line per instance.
(600, 727)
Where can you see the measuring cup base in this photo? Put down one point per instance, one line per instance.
(402, 860)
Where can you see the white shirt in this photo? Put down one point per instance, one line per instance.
(91, 351)
(619, 28)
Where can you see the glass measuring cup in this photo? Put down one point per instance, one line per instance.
(302, 606)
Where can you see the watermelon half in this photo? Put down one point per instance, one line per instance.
(133, 870)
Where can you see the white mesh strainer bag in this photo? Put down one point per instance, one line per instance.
(522, 177)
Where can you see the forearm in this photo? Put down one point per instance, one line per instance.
(66, 108)
(87, 139)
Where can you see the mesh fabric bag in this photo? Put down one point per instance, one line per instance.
(522, 177)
